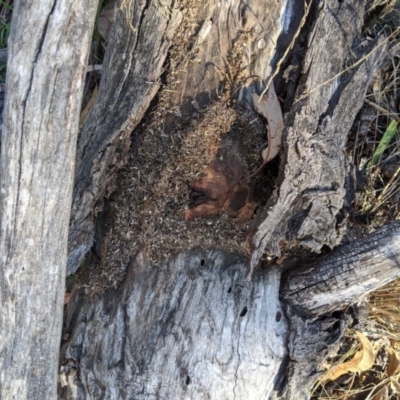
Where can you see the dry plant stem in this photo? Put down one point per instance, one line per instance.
(381, 199)
(383, 110)
(259, 169)
(264, 163)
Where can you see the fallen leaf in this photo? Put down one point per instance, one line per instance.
(222, 188)
(269, 107)
(362, 361)
(392, 364)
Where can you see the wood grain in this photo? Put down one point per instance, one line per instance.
(44, 88)
(309, 208)
(191, 328)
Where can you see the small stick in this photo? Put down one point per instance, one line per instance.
(383, 110)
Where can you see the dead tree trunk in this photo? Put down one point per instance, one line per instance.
(45, 82)
(194, 327)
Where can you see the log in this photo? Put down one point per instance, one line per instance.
(347, 273)
(193, 327)
(204, 42)
(45, 83)
(205, 337)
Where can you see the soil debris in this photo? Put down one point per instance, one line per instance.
(153, 195)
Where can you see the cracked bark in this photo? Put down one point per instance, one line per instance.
(180, 330)
(345, 274)
(309, 205)
(45, 70)
(131, 78)
(130, 83)
(195, 327)
(196, 316)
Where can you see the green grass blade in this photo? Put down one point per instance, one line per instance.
(383, 144)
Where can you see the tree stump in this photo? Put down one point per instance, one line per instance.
(194, 326)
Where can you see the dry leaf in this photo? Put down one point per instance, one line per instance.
(269, 107)
(221, 188)
(393, 362)
(362, 361)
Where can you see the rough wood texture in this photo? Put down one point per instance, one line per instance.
(130, 82)
(137, 49)
(195, 328)
(307, 208)
(45, 82)
(310, 342)
(347, 273)
(191, 328)
(267, 25)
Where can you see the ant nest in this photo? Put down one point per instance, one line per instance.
(148, 209)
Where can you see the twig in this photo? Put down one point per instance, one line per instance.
(383, 110)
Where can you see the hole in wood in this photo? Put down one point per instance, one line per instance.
(187, 380)
(230, 290)
(278, 316)
(243, 312)
(202, 262)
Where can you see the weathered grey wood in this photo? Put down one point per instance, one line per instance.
(136, 52)
(268, 26)
(310, 342)
(195, 328)
(347, 273)
(191, 328)
(48, 50)
(180, 330)
(307, 208)
(130, 82)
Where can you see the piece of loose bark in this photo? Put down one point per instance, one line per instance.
(307, 207)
